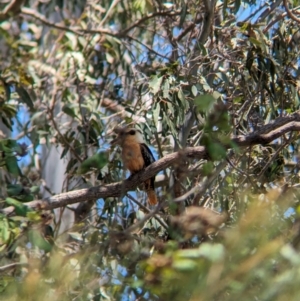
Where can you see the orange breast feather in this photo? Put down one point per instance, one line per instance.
(132, 157)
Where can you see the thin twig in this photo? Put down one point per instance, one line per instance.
(147, 210)
(12, 265)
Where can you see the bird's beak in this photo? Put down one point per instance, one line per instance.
(117, 140)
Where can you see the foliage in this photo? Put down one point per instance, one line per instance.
(187, 73)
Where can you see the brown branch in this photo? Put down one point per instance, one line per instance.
(146, 18)
(115, 189)
(274, 21)
(208, 20)
(109, 11)
(12, 265)
(276, 129)
(269, 9)
(78, 31)
(203, 35)
(112, 105)
(258, 138)
(13, 8)
(159, 220)
(36, 15)
(188, 29)
(289, 12)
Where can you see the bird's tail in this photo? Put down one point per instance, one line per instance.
(152, 198)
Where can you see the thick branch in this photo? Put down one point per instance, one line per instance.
(265, 138)
(275, 130)
(115, 189)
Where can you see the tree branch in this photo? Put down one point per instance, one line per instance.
(78, 31)
(36, 15)
(276, 129)
(13, 8)
(146, 18)
(100, 30)
(289, 12)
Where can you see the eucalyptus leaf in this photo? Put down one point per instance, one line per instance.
(204, 102)
(155, 84)
(97, 161)
(25, 97)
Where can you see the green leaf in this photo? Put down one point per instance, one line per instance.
(109, 58)
(25, 97)
(9, 110)
(35, 189)
(14, 146)
(38, 117)
(225, 3)
(255, 41)
(170, 124)
(237, 5)
(217, 95)
(34, 216)
(37, 239)
(214, 252)
(97, 161)
(188, 253)
(25, 197)
(207, 168)
(205, 85)
(73, 162)
(183, 13)
(4, 87)
(155, 83)
(14, 189)
(156, 112)
(166, 89)
(184, 264)
(12, 165)
(204, 102)
(20, 208)
(194, 90)
(64, 152)
(4, 230)
(20, 193)
(96, 128)
(68, 110)
(7, 122)
(183, 103)
(181, 95)
(238, 99)
(216, 151)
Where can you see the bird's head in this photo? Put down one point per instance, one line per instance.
(127, 134)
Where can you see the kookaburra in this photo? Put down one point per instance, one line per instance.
(136, 155)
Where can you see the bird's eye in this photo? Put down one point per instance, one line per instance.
(132, 132)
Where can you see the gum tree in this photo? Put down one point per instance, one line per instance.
(213, 85)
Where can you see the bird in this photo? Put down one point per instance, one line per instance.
(136, 156)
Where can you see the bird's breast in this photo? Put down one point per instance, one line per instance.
(132, 157)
